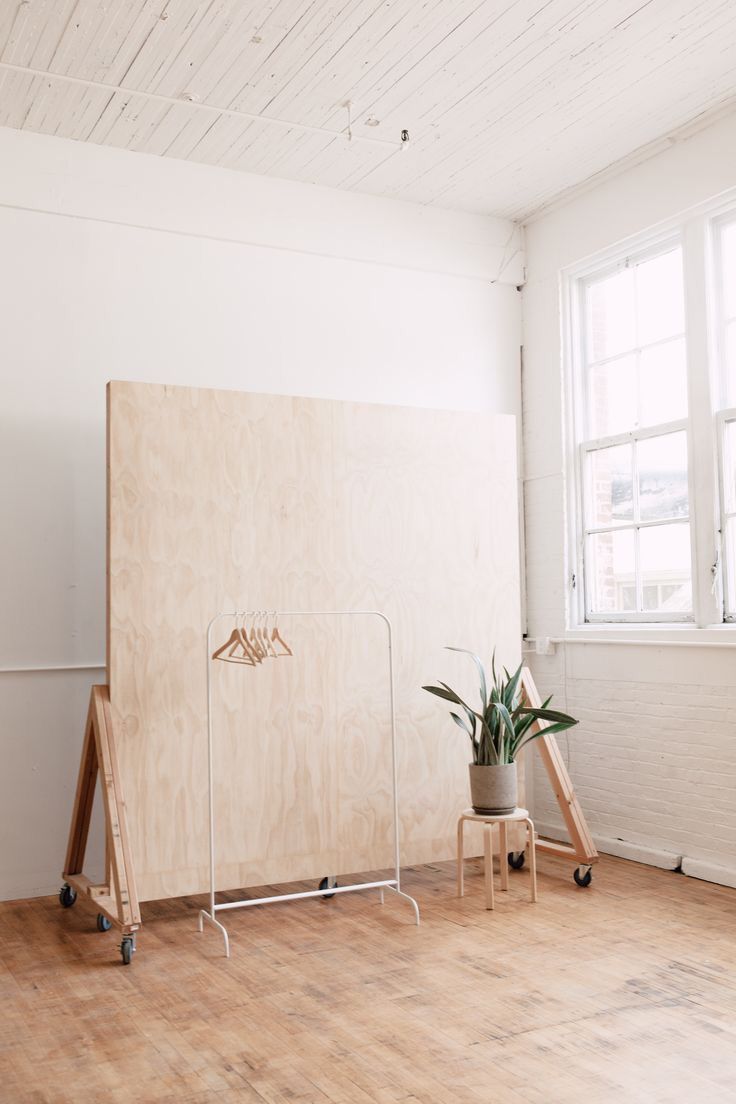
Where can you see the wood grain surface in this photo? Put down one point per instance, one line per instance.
(222, 500)
(618, 994)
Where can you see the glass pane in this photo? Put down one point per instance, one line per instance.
(610, 486)
(729, 467)
(612, 397)
(660, 302)
(610, 315)
(611, 572)
(663, 383)
(729, 574)
(728, 255)
(662, 463)
(729, 363)
(664, 558)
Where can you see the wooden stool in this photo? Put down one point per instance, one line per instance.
(488, 820)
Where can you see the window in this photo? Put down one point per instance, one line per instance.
(725, 260)
(634, 453)
(651, 469)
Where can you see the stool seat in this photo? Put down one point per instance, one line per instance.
(488, 820)
(518, 814)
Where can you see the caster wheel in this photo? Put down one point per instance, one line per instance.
(583, 880)
(516, 859)
(127, 948)
(328, 883)
(67, 896)
(103, 924)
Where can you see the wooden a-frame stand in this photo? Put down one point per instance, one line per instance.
(581, 849)
(115, 900)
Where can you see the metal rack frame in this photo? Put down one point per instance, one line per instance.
(392, 884)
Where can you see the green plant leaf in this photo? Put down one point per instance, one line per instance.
(461, 724)
(544, 714)
(512, 687)
(481, 673)
(445, 693)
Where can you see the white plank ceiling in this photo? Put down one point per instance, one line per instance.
(508, 104)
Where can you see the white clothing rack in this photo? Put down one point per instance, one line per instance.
(392, 884)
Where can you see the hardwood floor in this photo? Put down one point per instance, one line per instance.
(623, 992)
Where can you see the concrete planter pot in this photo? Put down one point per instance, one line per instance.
(493, 790)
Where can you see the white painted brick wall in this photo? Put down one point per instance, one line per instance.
(654, 757)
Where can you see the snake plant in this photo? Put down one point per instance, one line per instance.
(505, 724)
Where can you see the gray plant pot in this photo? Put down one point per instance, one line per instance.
(493, 790)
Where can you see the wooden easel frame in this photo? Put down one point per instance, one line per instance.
(116, 898)
(581, 849)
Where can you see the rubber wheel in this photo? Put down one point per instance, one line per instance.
(127, 947)
(325, 884)
(67, 896)
(516, 859)
(583, 880)
(103, 924)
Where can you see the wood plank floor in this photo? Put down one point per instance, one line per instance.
(622, 992)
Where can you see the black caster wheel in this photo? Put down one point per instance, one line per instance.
(325, 884)
(127, 949)
(583, 879)
(103, 924)
(67, 896)
(516, 859)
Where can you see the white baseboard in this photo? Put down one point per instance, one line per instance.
(665, 860)
(622, 849)
(709, 872)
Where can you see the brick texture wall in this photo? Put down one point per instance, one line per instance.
(654, 757)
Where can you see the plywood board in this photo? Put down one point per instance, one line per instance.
(220, 500)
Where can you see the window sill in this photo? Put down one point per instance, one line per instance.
(635, 634)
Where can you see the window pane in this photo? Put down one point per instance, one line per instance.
(729, 552)
(729, 363)
(612, 397)
(610, 315)
(610, 486)
(611, 572)
(660, 303)
(728, 255)
(662, 463)
(729, 466)
(664, 558)
(663, 383)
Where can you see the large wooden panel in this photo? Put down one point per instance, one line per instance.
(219, 499)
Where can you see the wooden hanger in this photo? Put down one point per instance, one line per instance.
(263, 637)
(255, 640)
(276, 636)
(231, 646)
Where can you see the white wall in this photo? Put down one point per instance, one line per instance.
(654, 759)
(120, 265)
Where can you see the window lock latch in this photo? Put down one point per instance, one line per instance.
(714, 569)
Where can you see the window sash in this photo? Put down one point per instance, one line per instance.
(724, 567)
(579, 411)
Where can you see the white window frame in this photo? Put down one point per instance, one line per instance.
(695, 235)
(724, 417)
(723, 414)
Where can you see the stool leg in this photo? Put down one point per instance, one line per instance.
(532, 858)
(488, 857)
(460, 829)
(503, 864)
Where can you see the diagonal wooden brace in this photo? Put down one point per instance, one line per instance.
(117, 898)
(582, 849)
